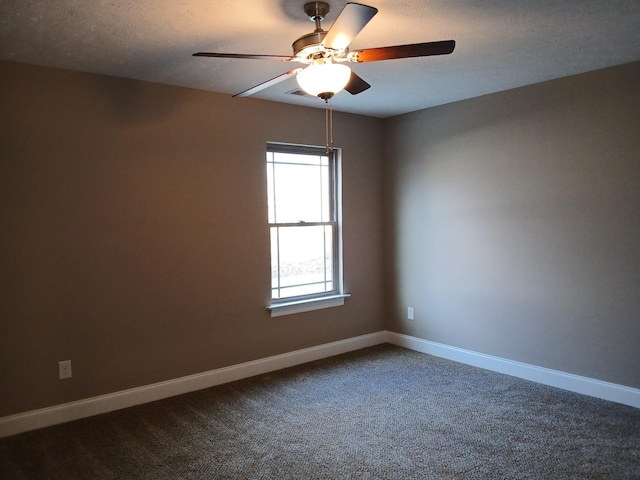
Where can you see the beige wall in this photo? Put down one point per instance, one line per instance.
(514, 224)
(133, 239)
(133, 233)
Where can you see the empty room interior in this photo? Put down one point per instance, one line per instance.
(489, 198)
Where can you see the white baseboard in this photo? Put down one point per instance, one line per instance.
(567, 381)
(45, 417)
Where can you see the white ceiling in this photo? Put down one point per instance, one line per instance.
(501, 44)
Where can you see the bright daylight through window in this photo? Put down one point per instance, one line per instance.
(303, 202)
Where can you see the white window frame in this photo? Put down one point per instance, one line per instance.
(334, 298)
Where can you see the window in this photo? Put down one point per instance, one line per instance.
(304, 209)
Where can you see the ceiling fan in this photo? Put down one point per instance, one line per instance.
(326, 52)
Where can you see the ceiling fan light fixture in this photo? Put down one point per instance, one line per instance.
(323, 78)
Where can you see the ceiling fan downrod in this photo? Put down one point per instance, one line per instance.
(316, 11)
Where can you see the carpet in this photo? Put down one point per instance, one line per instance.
(379, 413)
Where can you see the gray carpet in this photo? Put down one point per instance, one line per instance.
(379, 413)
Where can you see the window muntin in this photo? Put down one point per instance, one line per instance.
(303, 222)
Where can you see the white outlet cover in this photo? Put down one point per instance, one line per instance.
(64, 369)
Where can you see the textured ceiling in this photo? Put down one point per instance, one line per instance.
(501, 44)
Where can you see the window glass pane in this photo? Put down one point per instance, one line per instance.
(328, 255)
(325, 206)
(298, 290)
(275, 259)
(299, 193)
(271, 204)
(305, 260)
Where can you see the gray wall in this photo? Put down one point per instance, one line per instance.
(513, 224)
(133, 234)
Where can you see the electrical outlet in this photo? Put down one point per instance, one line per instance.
(64, 369)
(410, 315)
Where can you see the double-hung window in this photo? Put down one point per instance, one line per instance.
(303, 187)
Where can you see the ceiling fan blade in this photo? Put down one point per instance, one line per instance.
(356, 84)
(269, 83)
(444, 47)
(349, 23)
(241, 55)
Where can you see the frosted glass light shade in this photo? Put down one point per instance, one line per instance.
(319, 78)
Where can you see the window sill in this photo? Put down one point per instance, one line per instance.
(289, 308)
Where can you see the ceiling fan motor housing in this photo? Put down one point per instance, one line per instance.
(308, 45)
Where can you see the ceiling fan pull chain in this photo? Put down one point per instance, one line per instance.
(328, 116)
(330, 127)
(326, 124)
